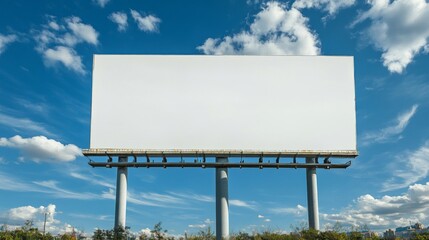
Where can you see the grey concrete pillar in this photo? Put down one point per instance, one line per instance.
(121, 195)
(222, 204)
(312, 198)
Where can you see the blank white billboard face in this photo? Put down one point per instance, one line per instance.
(211, 103)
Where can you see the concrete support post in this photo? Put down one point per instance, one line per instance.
(312, 198)
(121, 195)
(222, 204)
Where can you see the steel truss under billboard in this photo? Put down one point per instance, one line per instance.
(168, 105)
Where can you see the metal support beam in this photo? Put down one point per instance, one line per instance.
(219, 165)
(121, 194)
(312, 198)
(222, 204)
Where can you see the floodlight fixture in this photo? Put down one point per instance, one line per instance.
(164, 160)
(326, 160)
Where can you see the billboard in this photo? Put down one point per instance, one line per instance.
(215, 104)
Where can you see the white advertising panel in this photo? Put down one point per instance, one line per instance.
(223, 103)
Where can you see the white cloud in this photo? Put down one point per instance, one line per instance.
(65, 55)
(260, 216)
(70, 33)
(93, 179)
(146, 231)
(240, 203)
(59, 192)
(131, 197)
(197, 225)
(30, 212)
(56, 42)
(400, 29)
(267, 220)
(11, 183)
(387, 133)
(41, 108)
(120, 19)
(409, 168)
(16, 218)
(387, 211)
(101, 3)
(83, 32)
(54, 25)
(193, 196)
(42, 149)
(297, 211)
(163, 198)
(5, 40)
(330, 6)
(23, 124)
(147, 23)
(274, 31)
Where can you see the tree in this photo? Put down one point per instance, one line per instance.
(158, 233)
(207, 234)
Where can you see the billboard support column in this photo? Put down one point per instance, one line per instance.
(222, 202)
(312, 198)
(121, 195)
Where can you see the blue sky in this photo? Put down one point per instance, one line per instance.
(46, 50)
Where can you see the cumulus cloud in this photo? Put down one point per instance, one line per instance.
(101, 3)
(16, 218)
(42, 149)
(5, 40)
(392, 131)
(408, 168)
(146, 231)
(297, 211)
(330, 6)
(387, 211)
(65, 55)
(120, 18)
(400, 29)
(82, 32)
(56, 42)
(148, 23)
(274, 31)
(30, 212)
